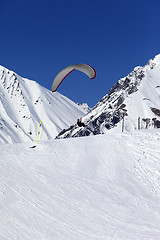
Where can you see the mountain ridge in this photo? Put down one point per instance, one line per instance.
(126, 96)
(133, 102)
(23, 103)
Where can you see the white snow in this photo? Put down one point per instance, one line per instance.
(102, 187)
(23, 103)
(139, 103)
(133, 102)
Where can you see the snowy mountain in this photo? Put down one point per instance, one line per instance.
(23, 103)
(92, 188)
(133, 102)
(85, 107)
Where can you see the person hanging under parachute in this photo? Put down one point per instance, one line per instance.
(80, 123)
(85, 68)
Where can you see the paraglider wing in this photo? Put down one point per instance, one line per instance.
(85, 68)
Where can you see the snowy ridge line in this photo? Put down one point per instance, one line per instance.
(136, 95)
(24, 102)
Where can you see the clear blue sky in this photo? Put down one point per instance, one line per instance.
(39, 38)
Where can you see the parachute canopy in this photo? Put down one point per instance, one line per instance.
(88, 70)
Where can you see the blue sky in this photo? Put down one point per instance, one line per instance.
(39, 38)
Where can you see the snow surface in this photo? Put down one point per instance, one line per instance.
(139, 103)
(134, 96)
(23, 103)
(102, 187)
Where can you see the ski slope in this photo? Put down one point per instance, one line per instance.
(102, 187)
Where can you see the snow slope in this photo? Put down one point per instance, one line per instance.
(92, 188)
(135, 96)
(24, 102)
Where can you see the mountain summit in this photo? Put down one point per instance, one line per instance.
(133, 102)
(23, 103)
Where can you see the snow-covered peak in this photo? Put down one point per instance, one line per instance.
(23, 103)
(154, 62)
(85, 107)
(133, 102)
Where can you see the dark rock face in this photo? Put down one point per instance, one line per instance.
(156, 111)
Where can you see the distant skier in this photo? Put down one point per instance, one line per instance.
(80, 123)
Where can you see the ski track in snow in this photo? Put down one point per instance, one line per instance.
(91, 188)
